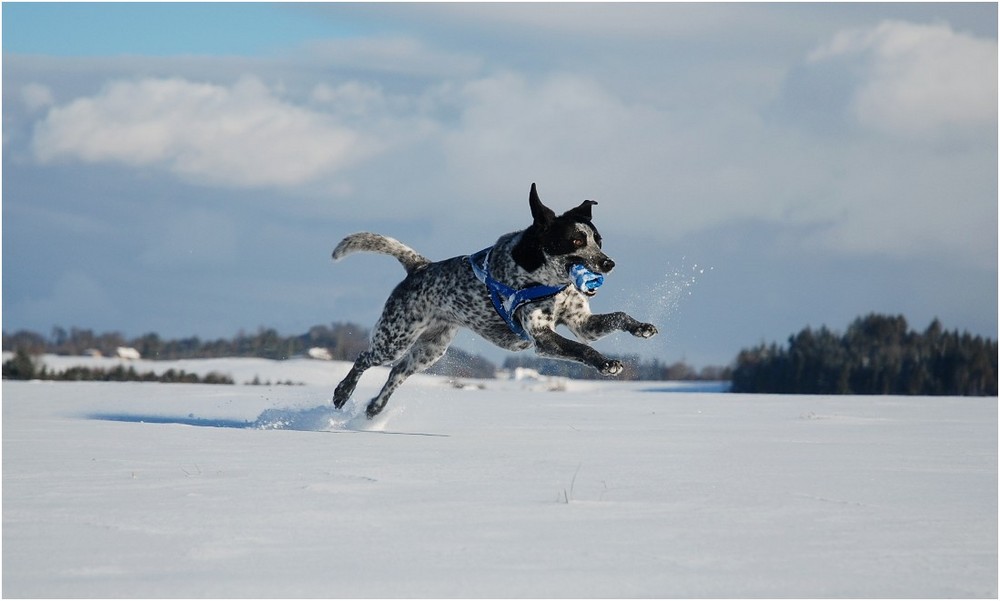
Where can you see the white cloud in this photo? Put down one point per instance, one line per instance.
(241, 135)
(36, 96)
(919, 79)
(561, 128)
(656, 170)
(658, 166)
(351, 98)
(668, 173)
(520, 124)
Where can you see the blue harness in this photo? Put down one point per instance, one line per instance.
(506, 300)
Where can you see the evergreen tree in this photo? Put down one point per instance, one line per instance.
(877, 354)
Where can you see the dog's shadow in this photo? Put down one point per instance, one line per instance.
(170, 419)
(315, 419)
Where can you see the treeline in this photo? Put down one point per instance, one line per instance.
(343, 340)
(23, 367)
(635, 369)
(878, 354)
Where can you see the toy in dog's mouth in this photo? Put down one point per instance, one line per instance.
(586, 281)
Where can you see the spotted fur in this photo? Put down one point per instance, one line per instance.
(425, 310)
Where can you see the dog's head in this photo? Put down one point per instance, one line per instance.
(553, 244)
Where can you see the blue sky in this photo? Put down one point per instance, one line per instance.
(161, 29)
(187, 168)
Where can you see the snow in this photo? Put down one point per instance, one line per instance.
(498, 489)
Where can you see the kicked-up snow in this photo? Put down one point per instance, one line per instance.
(496, 489)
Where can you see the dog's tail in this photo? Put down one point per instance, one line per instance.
(366, 241)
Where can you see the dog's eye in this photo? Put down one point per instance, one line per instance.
(579, 242)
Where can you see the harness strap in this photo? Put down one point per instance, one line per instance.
(505, 299)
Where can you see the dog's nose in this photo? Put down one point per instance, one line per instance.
(607, 265)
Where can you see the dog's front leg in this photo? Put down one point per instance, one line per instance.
(550, 344)
(587, 326)
(540, 324)
(593, 327)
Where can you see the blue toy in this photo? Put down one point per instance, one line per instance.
(586, 280)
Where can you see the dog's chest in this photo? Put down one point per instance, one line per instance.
(570, 302)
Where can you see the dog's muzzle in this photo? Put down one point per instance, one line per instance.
(602, 265)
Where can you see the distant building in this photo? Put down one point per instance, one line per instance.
(318, 352)
(129, 353)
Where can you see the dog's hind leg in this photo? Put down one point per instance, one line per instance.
(346, 387)
(394, 333)
(424, 353)
(384, 350)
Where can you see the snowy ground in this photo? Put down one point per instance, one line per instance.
(601, 490)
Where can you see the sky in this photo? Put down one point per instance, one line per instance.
(187, 168)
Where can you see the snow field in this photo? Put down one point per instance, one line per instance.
(602, 490)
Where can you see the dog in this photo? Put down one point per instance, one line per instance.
(513, 294)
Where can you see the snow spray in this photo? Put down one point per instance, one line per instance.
(660, 303)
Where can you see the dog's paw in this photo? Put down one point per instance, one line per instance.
(644, 330)
(374, 408)
(612, 368)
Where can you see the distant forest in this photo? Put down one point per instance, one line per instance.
(878, 354)
(23, 367)
(343, 341)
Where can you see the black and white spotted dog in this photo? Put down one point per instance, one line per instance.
(513, 294)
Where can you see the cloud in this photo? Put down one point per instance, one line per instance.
(410, 148)
(521, 124)
(587, 21)
(36, 96)
(242, 135)
(661, 170)
(393, 55)
(918, 79)
(352, 98)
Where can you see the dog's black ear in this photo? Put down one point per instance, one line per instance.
(541, 214)
(582, 212)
